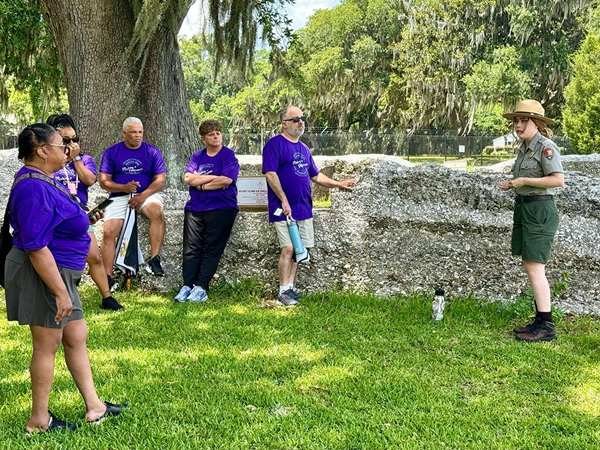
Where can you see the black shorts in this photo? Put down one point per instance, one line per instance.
(29, 301)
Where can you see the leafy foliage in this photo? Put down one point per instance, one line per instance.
(582, 112)
(28, 56)
(21, 107)
(235, 25)
(435, 61)
(448, 65)
(426, 64)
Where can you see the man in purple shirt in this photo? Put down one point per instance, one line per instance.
(289, 168)
(134, 173)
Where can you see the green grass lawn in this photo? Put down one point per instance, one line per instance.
(340, 371)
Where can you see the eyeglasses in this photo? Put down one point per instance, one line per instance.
(64, 147)
(296, 119)
(67, 140)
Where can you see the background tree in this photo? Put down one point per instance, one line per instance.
(450, 65)
(121, 58)
(444, 40)
(493, 86)
(28, 58)
(203, 86)
(338, 62)
(582, 112)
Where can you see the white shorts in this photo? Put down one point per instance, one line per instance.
(118, 208)
(305, 227)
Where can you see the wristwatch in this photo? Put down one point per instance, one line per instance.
(77, 158)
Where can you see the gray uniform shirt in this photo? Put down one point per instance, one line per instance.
(538, 160)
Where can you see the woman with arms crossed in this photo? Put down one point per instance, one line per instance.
(210, 212)
(78, 175)
(536, 175)
(43, 269)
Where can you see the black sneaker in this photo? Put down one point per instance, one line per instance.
(111, 303)
(294, 295)
(154, 267)
(112, 410)
(112, 284)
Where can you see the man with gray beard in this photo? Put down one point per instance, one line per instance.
(289, 168)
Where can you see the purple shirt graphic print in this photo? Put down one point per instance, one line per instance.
(124, 165)
(294, 165)
(224, 164)
(69, 175)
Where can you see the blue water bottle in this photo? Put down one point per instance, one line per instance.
(301, 254)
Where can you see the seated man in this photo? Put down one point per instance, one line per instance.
(133, 167)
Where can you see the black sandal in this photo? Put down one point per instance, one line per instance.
(54, 424)
(112, 410)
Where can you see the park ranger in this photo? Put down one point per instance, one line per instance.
(536, 175)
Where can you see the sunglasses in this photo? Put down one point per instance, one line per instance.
(64, 147)
(67, 140)
(296, 119)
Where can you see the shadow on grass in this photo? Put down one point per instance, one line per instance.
(338, 371)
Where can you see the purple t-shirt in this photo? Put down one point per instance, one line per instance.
(41, 215)
(294, 165)
(125, 164)
(71, 176)
(224, 164)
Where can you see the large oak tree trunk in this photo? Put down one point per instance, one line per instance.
(105, 87)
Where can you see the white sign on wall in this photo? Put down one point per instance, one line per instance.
(252, 193)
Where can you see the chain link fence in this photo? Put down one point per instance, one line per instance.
(414, 145)
(418, 145)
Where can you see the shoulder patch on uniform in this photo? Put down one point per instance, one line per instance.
(548, 153)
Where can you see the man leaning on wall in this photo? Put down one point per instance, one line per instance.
(289, 168)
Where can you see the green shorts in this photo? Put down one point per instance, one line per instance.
(534, 227)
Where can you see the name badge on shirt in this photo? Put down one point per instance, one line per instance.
(72, 188)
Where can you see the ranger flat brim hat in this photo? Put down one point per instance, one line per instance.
(529, 108)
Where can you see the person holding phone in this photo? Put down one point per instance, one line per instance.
(78, 175)
(42, 272)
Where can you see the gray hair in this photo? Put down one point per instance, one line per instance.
(129, 120)
(283, 113)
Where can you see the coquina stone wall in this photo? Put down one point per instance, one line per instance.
(403, 229)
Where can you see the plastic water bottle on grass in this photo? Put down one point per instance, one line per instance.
(439, 303)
